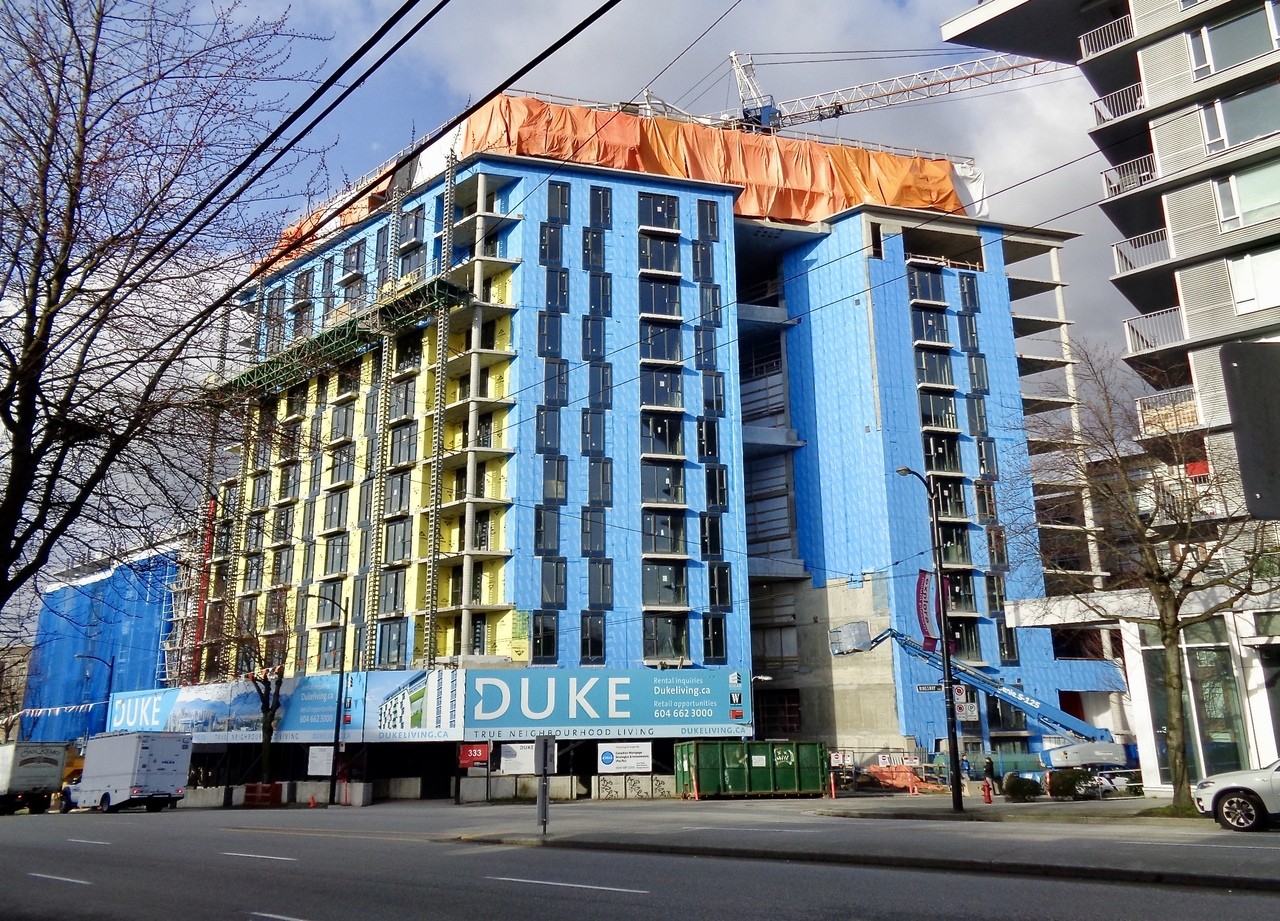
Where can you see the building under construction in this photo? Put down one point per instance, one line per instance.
(590, 426)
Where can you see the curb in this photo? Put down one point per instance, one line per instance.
(1065, 819)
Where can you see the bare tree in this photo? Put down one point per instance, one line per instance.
(1164, 506)
(117, 119)
(14, 658)
(267, 682)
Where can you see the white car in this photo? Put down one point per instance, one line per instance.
(1241, 800)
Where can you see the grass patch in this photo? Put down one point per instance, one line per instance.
(1172, 812)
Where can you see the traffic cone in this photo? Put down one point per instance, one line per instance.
(911, 784)
(313, 802)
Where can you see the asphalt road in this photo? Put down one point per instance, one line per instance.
(431, 860)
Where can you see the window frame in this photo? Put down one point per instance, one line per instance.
(544, 638)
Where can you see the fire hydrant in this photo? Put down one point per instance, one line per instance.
(986, 791)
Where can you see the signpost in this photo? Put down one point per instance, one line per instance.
(544, 760)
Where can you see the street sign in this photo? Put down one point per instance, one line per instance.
(925, 688)
(959, 691)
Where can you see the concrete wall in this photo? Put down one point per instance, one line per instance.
(633, 786)
(849, 701)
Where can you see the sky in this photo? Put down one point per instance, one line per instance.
(1028, 136)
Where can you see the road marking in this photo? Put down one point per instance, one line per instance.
(263, 914)
(372, 836)
(786, 831)
(86, 841)
(1232, 847)
(544, 882)
(259, 856)
(61, 879)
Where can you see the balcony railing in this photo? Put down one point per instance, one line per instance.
(1128, 176)
(1118, 104)
(1102, 38)
(1154, 330)
(1141, 251)
(1168, 412)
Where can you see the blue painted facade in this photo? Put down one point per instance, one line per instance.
(525, 193)
(857, 406)
(118, 612)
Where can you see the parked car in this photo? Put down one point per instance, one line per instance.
(1118, 782)
(1241, 800)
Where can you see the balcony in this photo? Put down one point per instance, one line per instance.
(1168, 412)
(1118, 104)
(1128, 176)
(1104, 38)
(1154, 330)
(1141, 251)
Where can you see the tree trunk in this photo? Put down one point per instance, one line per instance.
(1175, 730)
(268, 731)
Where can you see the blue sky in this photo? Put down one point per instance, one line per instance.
(1015, 132)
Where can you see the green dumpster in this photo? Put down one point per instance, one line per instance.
(717, 769)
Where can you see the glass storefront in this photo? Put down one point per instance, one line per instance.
(1215, 736)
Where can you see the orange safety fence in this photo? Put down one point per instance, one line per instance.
(901, 777)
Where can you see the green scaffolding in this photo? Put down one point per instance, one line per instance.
(410, 303)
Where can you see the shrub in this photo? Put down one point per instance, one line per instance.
(1020, 789)
(1067, 783)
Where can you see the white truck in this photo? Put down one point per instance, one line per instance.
(123, 769)
(30, 773)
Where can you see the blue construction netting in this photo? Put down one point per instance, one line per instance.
(115, 620)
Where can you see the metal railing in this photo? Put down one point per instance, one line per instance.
(1118, 104)
(1141, 251)
(1106, 37)
(1168, 412)
(1154, 330)
(1125, 177)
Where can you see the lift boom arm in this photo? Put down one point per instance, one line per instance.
(1049, 717)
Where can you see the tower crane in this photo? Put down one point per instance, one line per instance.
(761, 113)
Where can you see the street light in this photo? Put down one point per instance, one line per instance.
(337, 709)
(944, 625)
(755, 715)
(111, 678)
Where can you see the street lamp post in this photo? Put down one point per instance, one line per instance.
(111, 679)
(944, 626)
(755, 713)
(337, 709)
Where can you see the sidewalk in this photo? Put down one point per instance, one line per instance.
(935, 806)
(1179, 852)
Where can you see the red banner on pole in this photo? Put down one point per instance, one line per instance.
(922, 611)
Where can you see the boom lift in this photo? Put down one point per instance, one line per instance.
(1050, 717)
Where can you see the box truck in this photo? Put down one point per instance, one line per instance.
(30, 773)
(123, 769)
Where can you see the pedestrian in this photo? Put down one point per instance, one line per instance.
(989, 774)
(964, 766)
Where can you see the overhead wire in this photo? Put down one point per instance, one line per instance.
(924, 223)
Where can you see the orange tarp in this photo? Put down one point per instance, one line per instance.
(308, 227)
(781, 178)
